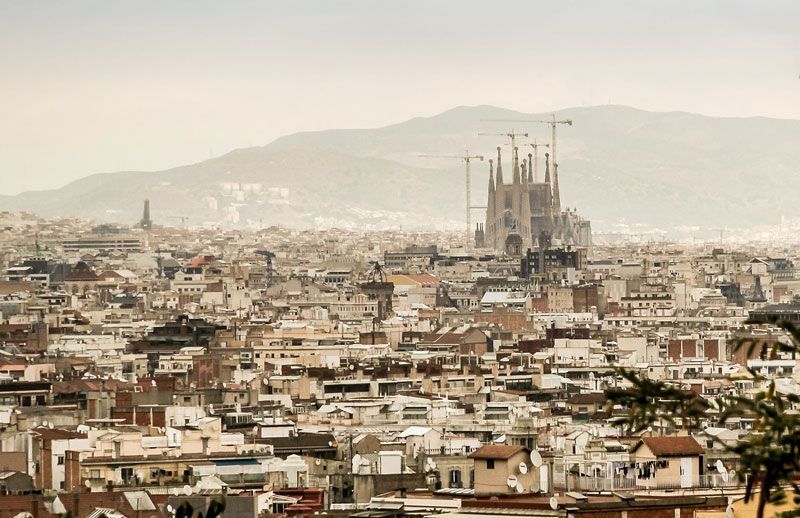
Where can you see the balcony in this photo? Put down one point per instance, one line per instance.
(594, 484)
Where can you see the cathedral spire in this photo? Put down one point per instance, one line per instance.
(531, 179)
(556, 193)
(499, 168)
(547, 168)
(491, 175)
(524, 170)
(516, 166)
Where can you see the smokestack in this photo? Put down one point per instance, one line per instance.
(146, 223)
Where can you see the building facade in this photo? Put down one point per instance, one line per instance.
(522, 213)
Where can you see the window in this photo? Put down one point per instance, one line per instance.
(60, 460)
(455, 478)
(126, 474)
(489, 463)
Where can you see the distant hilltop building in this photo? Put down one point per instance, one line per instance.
(521, 213)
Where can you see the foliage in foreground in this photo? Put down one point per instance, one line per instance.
(769, 455)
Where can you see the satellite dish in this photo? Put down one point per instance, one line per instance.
(87, 483)
(318, 462)
(187, 490)
(720, 467)
(523, 468)
(511, 481)
(352, 367)
(519, 487)
(536, 459)
(553, 503)
(170, 508)
(50, 425)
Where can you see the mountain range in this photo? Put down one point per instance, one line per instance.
(623, 168)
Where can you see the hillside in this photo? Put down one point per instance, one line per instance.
(617, 164)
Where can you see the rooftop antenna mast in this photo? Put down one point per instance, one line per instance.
(467, 158)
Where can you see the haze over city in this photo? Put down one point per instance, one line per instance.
(94, 87)
(444, 259)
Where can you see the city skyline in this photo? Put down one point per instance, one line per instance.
(98, 88)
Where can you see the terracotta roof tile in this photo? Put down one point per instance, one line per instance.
(497, 451)
(678, 446)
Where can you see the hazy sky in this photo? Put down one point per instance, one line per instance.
(97, 86)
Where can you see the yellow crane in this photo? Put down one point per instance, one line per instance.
(466, 158)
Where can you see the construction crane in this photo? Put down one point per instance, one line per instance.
(536, 147)
(467, 158)
(512, 135)
(553, 122)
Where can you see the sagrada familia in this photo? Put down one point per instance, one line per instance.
(527, 213)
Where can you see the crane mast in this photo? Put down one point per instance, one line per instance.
(535, 160)
(467, 158)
